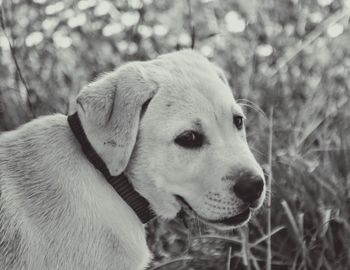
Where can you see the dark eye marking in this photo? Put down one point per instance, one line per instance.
(190, 139)
(238, 121)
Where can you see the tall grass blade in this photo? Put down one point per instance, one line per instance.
(228, 262)
(291, 219)
(269, 178)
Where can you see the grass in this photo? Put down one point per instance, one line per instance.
(305, 222)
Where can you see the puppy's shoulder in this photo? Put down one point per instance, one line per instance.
(35, 143)
(34, 128)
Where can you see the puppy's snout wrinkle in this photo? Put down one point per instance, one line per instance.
(248, 187)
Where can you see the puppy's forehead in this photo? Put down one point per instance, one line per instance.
(189, 68)
(189, 78)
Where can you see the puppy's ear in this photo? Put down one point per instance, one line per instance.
(110, 108)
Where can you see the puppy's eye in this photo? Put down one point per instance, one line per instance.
(190, 139)
(238, 121)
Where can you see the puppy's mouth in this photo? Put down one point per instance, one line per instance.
(234, 221)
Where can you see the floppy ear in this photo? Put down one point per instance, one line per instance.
(109, 109)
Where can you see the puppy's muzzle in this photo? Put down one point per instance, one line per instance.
(248, 187)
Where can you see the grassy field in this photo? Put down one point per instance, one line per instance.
(288, 63)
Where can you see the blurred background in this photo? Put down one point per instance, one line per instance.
(289, 55)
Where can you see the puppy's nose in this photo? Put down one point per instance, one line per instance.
(248, 187)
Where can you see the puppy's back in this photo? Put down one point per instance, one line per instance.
(27, 194)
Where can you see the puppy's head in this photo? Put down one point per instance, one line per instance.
(187, 149)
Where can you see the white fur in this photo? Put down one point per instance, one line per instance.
(58, 212)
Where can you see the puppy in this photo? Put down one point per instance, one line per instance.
(170, 125)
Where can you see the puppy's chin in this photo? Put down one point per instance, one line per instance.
(225, 223)
(166, 209)
(230, 223)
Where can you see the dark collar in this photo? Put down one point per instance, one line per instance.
(120, 183)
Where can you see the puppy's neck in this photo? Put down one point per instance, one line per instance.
(120, 183)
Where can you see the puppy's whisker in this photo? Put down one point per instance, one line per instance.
(256, 151)
(200, 228)
(251, 105)
(247, 101)
(257, 110)
(197, 225)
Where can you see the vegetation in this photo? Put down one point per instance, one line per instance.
(288, 57)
